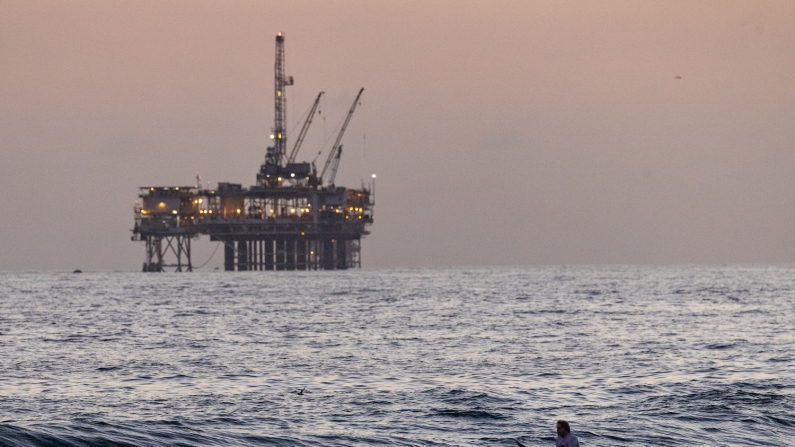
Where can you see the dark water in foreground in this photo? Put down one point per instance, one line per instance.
(663, 356)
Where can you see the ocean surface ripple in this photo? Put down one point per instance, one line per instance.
(663, 356)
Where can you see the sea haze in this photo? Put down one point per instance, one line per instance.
(663, 356)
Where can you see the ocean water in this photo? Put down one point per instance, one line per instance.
(658, 356)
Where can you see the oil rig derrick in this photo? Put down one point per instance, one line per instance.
(293, 218)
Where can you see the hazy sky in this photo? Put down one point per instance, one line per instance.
(502, 132)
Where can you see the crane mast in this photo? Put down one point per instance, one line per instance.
(335, 148)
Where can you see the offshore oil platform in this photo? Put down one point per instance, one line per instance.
(293, 218)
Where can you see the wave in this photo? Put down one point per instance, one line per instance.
(106, 435)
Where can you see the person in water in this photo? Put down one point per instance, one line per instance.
(565, 437)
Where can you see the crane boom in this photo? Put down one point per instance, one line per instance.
(334, 165)
(304, 129)
(336, 145)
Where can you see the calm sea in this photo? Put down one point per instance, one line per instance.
(658, 356)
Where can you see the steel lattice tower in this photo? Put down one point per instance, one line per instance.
(280, 109)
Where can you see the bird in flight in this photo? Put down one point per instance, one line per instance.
(300, 393)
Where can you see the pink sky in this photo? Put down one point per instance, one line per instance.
(502, 133)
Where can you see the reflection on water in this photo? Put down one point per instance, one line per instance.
(631, 355)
